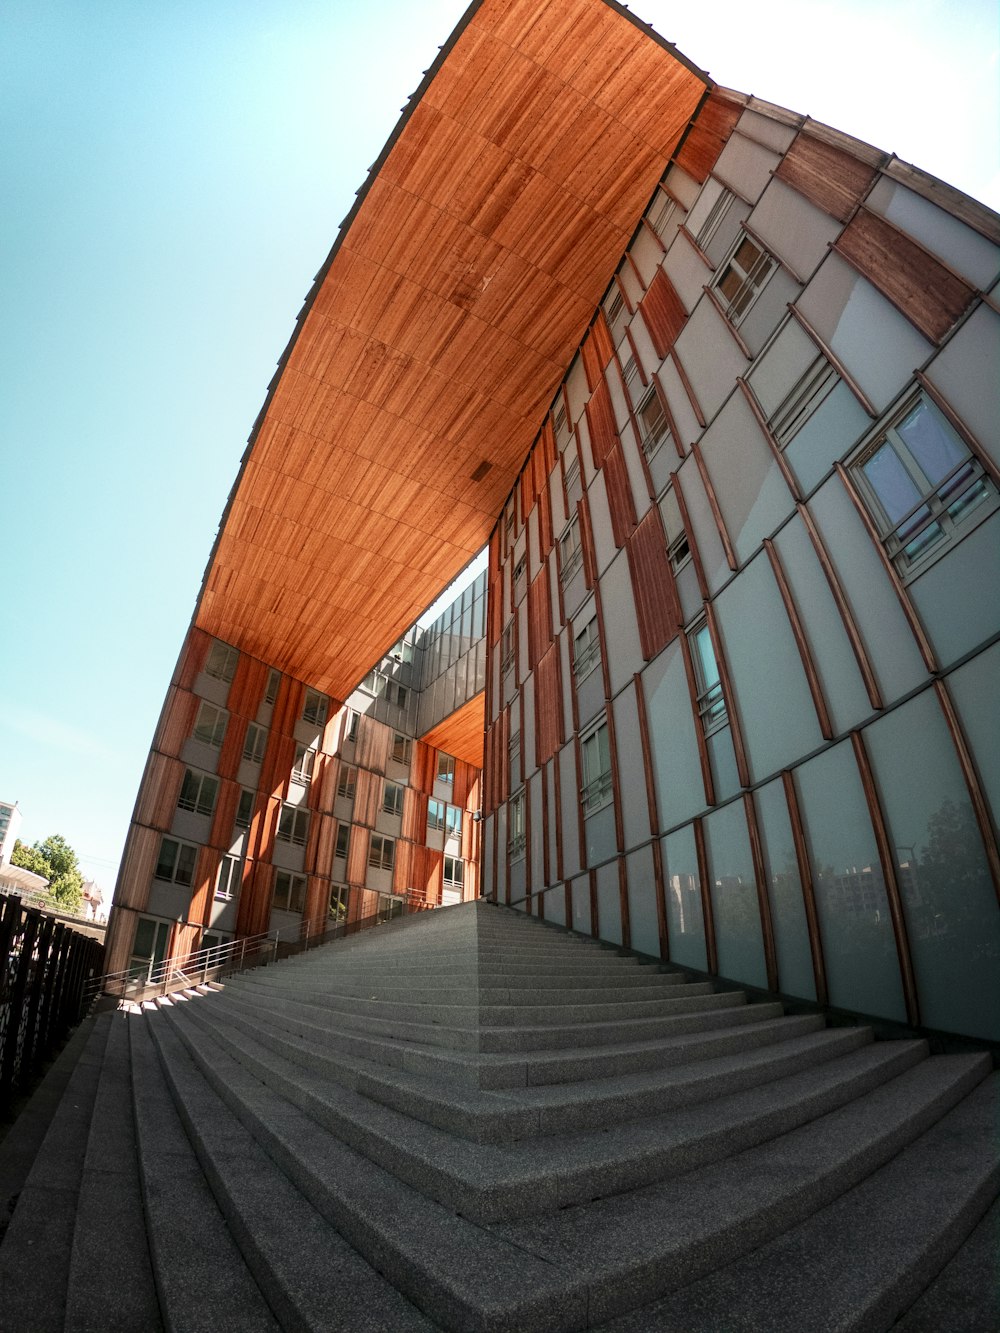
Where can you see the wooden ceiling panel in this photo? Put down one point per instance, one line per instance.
(461, 734)
(437, 333)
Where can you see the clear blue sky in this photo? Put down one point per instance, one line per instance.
(172, 175)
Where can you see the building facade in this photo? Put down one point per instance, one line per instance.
(742, 511)
(745, 599)
(268, 807)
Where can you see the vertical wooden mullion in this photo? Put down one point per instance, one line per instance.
(623, 907)
(688, 388)
(707, 908)
(647, 756)
(801, 642)
(890, 878)
(909, 610)
(808, 889)
(663, 930)
(713, 502)
(980, 805)
(699, 568)
(763, 898)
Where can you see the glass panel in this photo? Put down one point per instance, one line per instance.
(944, 879)
(685, 920)
(738, 933)
(931, 442)
(858, 942)
(788, 912)
(889, 479)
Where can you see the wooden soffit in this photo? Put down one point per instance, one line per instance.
(433, 341)
(462, 732)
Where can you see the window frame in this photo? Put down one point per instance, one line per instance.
(402, 748)
(516, 841)
(652, 436)
(343, 837)
(713, 710)
(221, 665)
(752, 280)
(396, 790)
(347, 781)
(238, 820)
(178, 862)
(197, 804)
(386, 855)
(445, 767)
(293, 825)
(254, 743)
(597, 790)
(938, 499)
(587, 658)
(300, 774)
(434, 820)
(452, 881)
(315, 707)
(571, 563)
(273, 685)
(294, 891)
(214, 733)
(232, 866)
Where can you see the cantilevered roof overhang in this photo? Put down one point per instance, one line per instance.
(435, 336)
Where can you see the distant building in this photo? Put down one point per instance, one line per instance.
(10, 824)
(15, 879)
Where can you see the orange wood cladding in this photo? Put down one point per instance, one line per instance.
(440, 327)
(663, 313)
(597, 351)
(918, 285)
(620, 500)
(548, 706)
(707, 137)
(158, 792)
(176, 721)
(601, 423)
(539, 617)
(656, 605)
(461, 734)
(830, 177)
(192, 657)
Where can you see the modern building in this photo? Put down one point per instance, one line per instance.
(717, 384)
(10, 823)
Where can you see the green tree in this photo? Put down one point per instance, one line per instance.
(58, 862)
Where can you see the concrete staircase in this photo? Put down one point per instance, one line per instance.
(471, 1121)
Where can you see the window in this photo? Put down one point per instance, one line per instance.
(273, 682)
(596, 754)
(515, 825)
(740, 280)
(453, 821)
(514, 757)
(244, 811)
(227, 881)
(586, 649)
(337, 907)
(510, 518)
(453, 872)
(921, 484)
(615, 312)
(348, 781)
(435, 814)
(678, 547)
(520, 572)
(302, 767)
(392, 799)
(714, 220)
(343, 840)
(679, 552)
(631, 378)
(210, 726)
(221, 661)
(559, 418)
(396, 693)
(402, 651)
(380, 852)
(372, 682)
(289, 892)
(351, 730)
(176, 861)
(198, 792)
(255, 743)
(652, 424)
(293, 825)
(711, 703)
(661, 212)
(803, 399)
(445, 768)
(402, 748)
(570, 551)
(314, 708)
(507, 648)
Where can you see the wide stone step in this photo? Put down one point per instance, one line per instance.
(109, 1236)
(826, 1273)
(43, 1223)
(192, 1249)
(485, 1182)
(720, 1033)
(312, 1278)
(965, 1296)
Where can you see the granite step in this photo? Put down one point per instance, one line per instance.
(40, 1232)
(964, 1296)
(486, 1182)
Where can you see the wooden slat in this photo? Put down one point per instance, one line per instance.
(663, 312)
(930, 295)
(656, 603)
(461, 733)
(548, 708)
(620, 500)
(832, 178)
(601, 422)
(708, 136)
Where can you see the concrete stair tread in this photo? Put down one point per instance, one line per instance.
(751, 1025)
(487, 1181)
(965, 1296)
(672, 1232)
(200, 1255)
(503, 1116)
(109, 1237)
(43, 1222)
(825, 1273)
(314, 1278)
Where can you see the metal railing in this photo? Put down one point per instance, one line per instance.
(155, 978)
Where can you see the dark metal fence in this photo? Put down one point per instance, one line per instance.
(44, 968)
